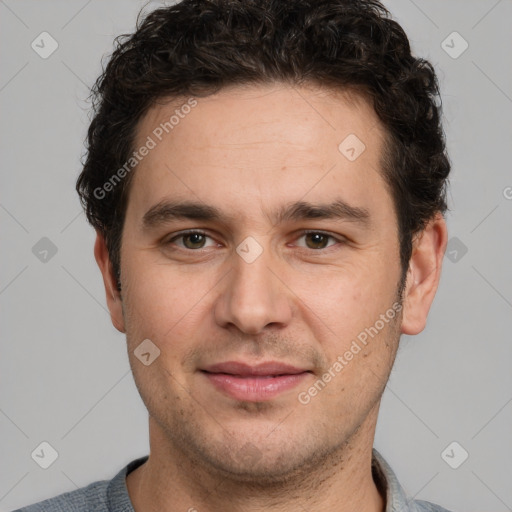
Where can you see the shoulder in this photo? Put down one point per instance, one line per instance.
(100, 496)
(396, 497)
(426, 506)
(90, 498)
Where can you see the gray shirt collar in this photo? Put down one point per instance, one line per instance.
(385, 479)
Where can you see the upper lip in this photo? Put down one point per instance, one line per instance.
(261, 369)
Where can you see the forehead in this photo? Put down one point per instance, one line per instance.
(298, 116)
(247, 147)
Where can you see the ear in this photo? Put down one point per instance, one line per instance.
(423, 274)
(113, 296)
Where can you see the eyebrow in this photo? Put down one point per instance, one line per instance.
(167, 211)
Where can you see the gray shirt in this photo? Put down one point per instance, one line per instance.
(112, 495)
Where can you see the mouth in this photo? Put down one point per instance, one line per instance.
(254, 383)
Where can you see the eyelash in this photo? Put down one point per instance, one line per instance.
(301, 234)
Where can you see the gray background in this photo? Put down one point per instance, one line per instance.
(64, 369)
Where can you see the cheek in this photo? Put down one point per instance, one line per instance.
(346, 298)
(163, 303)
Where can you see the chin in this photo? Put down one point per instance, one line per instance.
(263, 466)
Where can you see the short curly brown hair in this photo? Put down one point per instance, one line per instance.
(196, 47)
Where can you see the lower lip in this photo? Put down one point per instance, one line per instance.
(254, 388)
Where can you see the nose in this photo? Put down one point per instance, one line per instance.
(253, 297)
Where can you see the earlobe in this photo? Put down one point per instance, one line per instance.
(423, 274)
(112, 294)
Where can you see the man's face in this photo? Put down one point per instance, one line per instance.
(252, 287)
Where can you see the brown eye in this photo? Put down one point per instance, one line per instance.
(197, 240)
(316, 240)
(191, 240)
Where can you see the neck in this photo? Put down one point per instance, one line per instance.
(172, 480)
